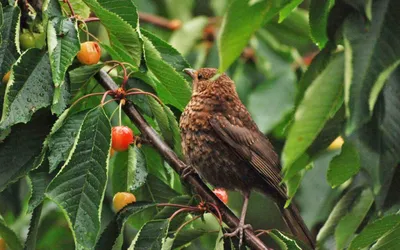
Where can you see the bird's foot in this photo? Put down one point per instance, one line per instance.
(239, 232)
(189, 170)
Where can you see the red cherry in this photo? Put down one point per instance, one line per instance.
(221, 194)
(122, 137)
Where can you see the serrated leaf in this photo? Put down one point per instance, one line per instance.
(185, 237)
(343, 166)
(80, 9)
(8, 48)
(186, 37)
(287, 10)
(19, 150)
(29, 89)
(129, 170)
(62, 140)
(125, 9)
(283, 241)
(156, 190)
(63, 45)
(9, 236)
(151, 236)
(168, 53)
(115, 227)
(79, 187)
(123, 31)
(240, 21)
(320, 102)
(82, 75)
(64, 97)
(30, 243)
(389, 241)
(372, 53)
(339, 211)
(375, 230)
(39, 179)
(348, 225)
(172, 87)
(377, 141)
(319, 12)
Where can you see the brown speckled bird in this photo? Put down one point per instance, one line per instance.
(224, 145)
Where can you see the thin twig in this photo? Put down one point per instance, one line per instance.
(178, 165)
(160, 21)
(70, 7)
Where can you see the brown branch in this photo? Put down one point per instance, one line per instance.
(178, 165)
(160, 21)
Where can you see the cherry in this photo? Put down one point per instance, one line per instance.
(122, 137)
(336, 144)
(2, 244)
(121, 199)
(221, 194)
(6, 77)
(27, 40)
(90, 53)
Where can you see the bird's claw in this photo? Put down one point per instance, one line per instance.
(238, 230)
(189, 170)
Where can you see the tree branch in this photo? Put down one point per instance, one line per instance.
(169, 155)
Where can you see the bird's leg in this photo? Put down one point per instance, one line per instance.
(189, 170)
(241, 227)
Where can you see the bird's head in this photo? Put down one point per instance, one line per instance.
(208, 80)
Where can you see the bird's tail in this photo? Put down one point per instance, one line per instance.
(296, 225)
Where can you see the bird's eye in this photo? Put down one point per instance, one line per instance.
(200, 76)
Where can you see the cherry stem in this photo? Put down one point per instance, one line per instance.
(120, 113)
(219, 217)
(173, 205)
(178, 212)
(91, 35)
(85, 96)
(261, 232)
(113, 113)
(108, 102)
(91, 19)
(145, 93)
(105, 95)
(125, 81)
(187, 222)
(70, 7)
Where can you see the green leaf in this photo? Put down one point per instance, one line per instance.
(187, 36)
(168, 53)
(79, 187)
(9, 236)
(348, 225)
(372, 53)
(241, 20)
(375, 230)
(293, 185)
(312, 113)
(389, 241)
(63, 43)
(81, 76)
(287, 10)
(114, 228)
(8, 48)
(151, 236)
(171, 86)
(377, 141)
(64, 96)
(168, 211)
(339, 211)
(62, 140)
(156, 190)
(19, 150)
(283, 241)
(343, 166)
(80, 9)
(30, 243)
(29, 89)
(319, 12)
(125, 9)
(39, 179)
(185, 237)
(129, 172)
(121, 29)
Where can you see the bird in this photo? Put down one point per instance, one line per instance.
(223, 144)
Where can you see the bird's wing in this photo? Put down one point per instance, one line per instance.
(253, 147)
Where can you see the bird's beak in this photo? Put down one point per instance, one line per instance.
(190, 72)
